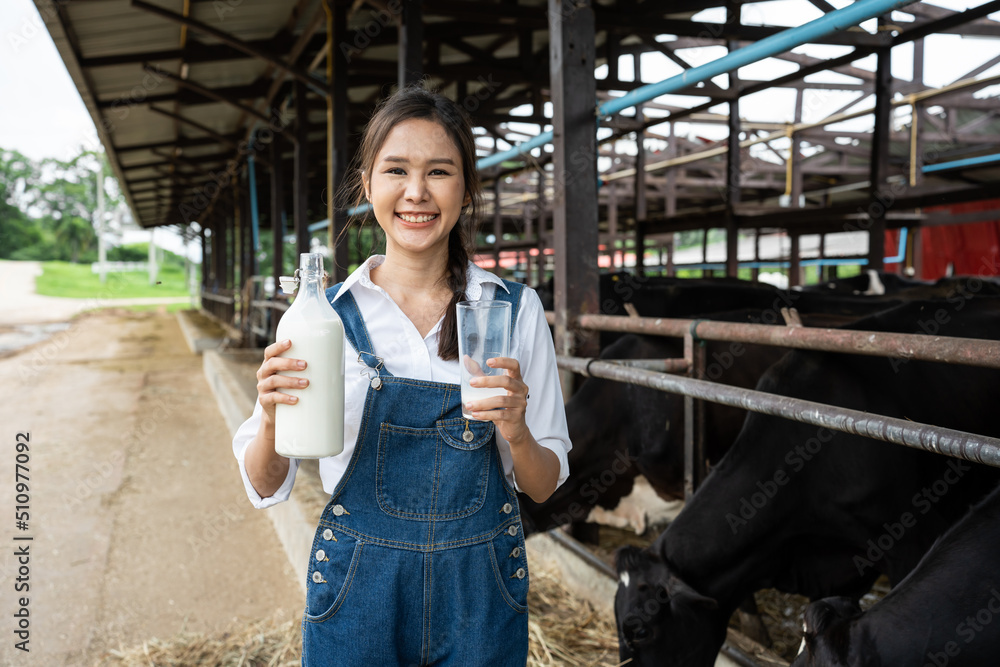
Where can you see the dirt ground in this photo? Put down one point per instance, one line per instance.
(139, 523)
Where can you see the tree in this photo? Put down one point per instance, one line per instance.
(66, 198)
(16, 230)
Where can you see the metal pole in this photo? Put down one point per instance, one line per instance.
(254, 212)
(795, 262)
(204, 261)
(965, 351)
(574, 211)
(967, 446)
(640, 179)
(670, 205)
(102, 256)
(301, 187)
(542, 229)
(277, 212)
(732, 191)
(411, 43)
(497, 225)
(795, 154)
(704, 252)
(231, 254)
(612, 244)
(694, 422)
(336, 125)
(755, 271)
(879, 198)
(245, 285)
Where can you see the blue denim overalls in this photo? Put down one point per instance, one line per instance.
(418, 558)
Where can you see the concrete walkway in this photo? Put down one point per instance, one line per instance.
(139, 522)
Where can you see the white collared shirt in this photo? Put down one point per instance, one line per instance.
(407, 354)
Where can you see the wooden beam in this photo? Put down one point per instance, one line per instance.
(186, 97)
(238, 44)
(205, 92)
(969, 22)
(193, 53)
(221, 138)
(181, 142)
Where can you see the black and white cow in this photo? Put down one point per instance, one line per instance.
(945, 613)
(811, 511)
(622, 430)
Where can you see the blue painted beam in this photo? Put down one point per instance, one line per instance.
(860, 11)
(982, 160)
(254, 213)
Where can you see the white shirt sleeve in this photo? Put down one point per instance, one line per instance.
(244, 434)
(545, 416)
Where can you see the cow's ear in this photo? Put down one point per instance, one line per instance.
(628, 558)
(822, 613)
(682, 592)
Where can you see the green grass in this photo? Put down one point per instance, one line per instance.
(76, 281)
(849, 270)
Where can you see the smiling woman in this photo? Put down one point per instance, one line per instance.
(417, 167)
(419, 556)
(417, 188)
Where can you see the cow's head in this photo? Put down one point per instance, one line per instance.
(661, 620)
(827, 635)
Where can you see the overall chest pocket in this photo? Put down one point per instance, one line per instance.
(434, 473)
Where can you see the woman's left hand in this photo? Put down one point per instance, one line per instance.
(510, 420)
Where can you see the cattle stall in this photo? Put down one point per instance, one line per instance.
(234, 122)
(897, 349)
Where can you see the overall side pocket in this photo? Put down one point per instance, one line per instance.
(510, 567)
(332, 566)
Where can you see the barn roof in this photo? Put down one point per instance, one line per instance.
(176, 87)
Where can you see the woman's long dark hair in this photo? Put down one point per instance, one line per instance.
(416, 102)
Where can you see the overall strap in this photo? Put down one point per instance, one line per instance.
(513, 298)
(354, 326)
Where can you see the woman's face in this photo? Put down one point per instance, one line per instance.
(416, 187)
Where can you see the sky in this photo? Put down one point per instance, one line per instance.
(42, 115)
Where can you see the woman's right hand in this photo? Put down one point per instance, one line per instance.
(268, 380)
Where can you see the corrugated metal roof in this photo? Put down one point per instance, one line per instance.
(109, 46)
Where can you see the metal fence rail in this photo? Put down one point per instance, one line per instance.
(967, 446)
(918, 347)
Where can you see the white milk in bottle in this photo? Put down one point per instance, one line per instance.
(313, 427)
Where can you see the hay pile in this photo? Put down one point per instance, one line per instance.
(272, 643)
(562, 631)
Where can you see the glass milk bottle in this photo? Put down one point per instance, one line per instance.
(313, 427)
